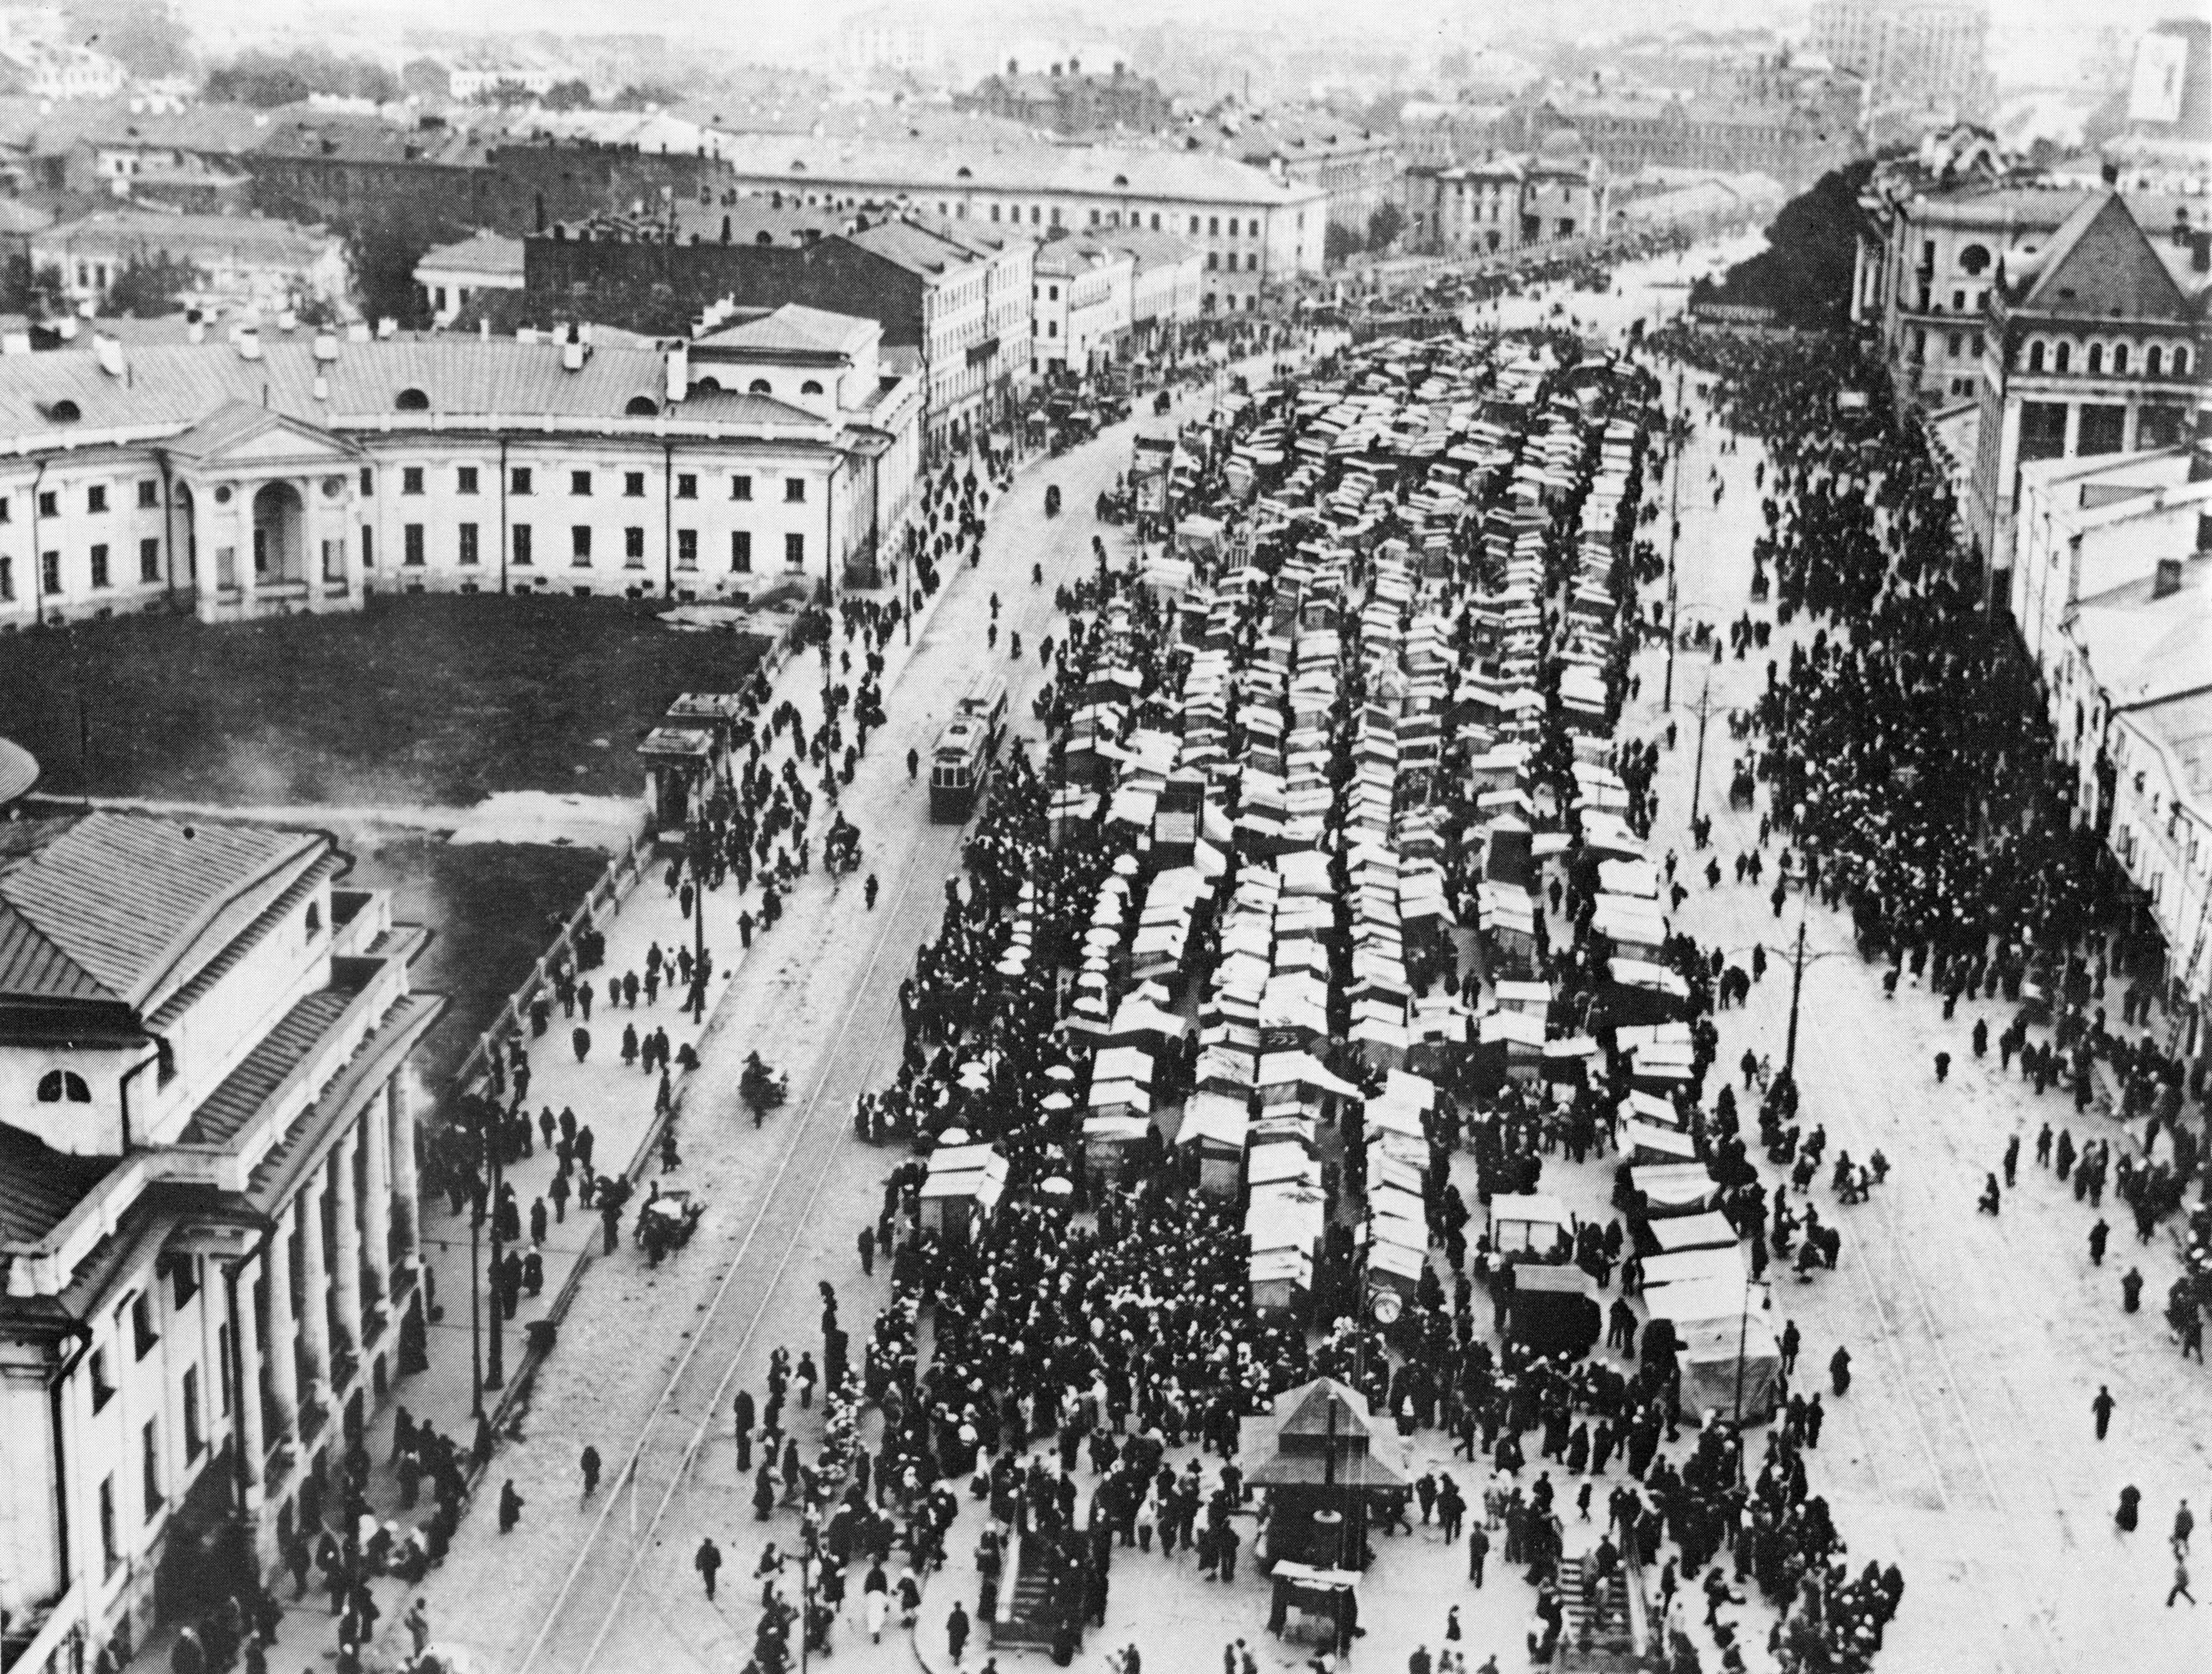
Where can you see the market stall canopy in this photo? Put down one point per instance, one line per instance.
(1694, 1231)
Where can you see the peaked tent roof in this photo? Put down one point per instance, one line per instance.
(2100, 255)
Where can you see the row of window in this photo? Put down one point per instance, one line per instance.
(522, 544)
(522, 479)
(100, 565)
(95, 500)
(1039, 215)
(2156, 361)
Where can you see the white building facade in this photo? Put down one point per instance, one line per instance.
(210, 1243)
(160, 480)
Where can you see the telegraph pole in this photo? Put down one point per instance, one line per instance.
(1673, 538)
(1697, 774)
(1796, 988)
(495, 1358)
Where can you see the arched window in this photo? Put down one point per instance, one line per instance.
(2065, 362)
(64, 412)
(641, 406)
(314, 917)
(708, 387)
(2096, 358)
(57, 1085)
(809, 388)
(1973, 260)
(2120, 358)
(2180, 362)
(758, 386)
(2035, 356)
(411, 400)
(2153, 361)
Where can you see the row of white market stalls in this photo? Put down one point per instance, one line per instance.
(1695, 1276)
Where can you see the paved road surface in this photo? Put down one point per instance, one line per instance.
(660, 1356)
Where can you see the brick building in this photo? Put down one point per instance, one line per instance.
(1069, 99)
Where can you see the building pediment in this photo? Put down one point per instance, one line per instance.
(240, 436)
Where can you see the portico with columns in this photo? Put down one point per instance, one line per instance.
(221, 1278)
(266, 510)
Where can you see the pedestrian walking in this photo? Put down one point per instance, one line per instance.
(708, 1562)
(590, 1465)
(2102, 1406)
(2181, 1588)
(510, 1507)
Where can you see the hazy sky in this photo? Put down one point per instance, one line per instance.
(2031, 39)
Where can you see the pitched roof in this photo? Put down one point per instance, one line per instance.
(794, 328)
(1098, 171)
(2143, 649)
(184, 236)
(2100, 258)
(118, 898)
(242, 1093)
(235, 422)
(484, 253)
(2182, 729)
(917, 248)
(181, 384)
(38, 1185)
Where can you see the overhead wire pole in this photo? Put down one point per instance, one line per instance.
(1704, 711)
(1673, 538)
(1796, 989)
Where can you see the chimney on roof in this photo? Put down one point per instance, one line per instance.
(572, 356)
(2168, 580)
(2109, 173)
(109, 353)
(2200, 252)
(679, 372)
(249, 345)
(386, 329)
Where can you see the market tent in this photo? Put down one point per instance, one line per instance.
(1726, 1265)
(1694, 1232)
(1681, 1188)
(1720, 1357)
(1528, 1220)
(1646, 1142)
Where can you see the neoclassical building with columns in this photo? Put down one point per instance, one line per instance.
(305, 471)
(210, 1269)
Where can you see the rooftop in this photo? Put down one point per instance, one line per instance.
(1080, 255)
(180, 235)
(104, 909)
(469, 377)
(485, 253)
(1091, 171)
(39, 1186)
(794, 328)
(2143, 649)
(2182, 729)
